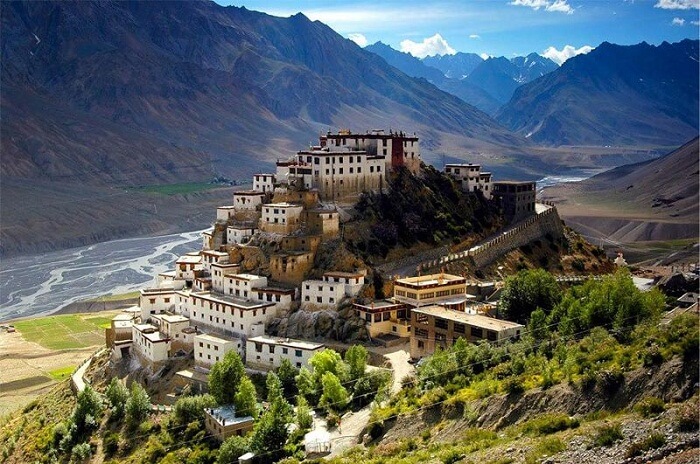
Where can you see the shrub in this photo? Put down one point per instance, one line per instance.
(686, 419)
(137, 406)
(376, 429)
(191, 408)
(154, 449)
(549, 423)
(452, 456)
(332, 420)
(546, 447)
(110, 443)
(650, 406)
(578, 265)
(514, 386)
(607, 435)
(653, 441)
(81, 452)
(232, 448)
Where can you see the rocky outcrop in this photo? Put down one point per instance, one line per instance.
(340, 325)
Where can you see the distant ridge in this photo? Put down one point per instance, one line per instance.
(614, 95)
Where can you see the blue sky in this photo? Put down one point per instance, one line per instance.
(496, 27)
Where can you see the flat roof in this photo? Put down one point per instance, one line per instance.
(515, 182)
(214, 253)
(249, 193)
(170, 273)
(343, 274)
(244, 276)
(274, 290)
(229, 300)
(476, 320)
(226, 207)
(463, 165)
(289, 342)
(226, 415)
(172, 318)
(123, 317)
(341, 152)
(382, 305)
(151, 333)
(215, 339)
(282, 205)
(157, 291)
(225, 265)
(431, 280)
(122, 324)
(189, 259)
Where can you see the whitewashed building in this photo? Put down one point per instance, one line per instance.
(281, 218)
(186, 265)
(210, 257)
(149, 344)
(177, 328)
(470, 178)
(320, 294)
(239, 233)
(219, 271)
(242, 285)
(264, 182)
(224, 213)
(209, 349)
(156, 301)
(248, 200)
(229, 315)
(267, 353)
(352, 281)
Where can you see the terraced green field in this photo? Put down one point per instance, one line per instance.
(68, 331)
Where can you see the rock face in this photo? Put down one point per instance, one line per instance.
(342, 326)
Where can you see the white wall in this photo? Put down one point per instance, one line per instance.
(318, 294)
(266, 359)
(208, 350)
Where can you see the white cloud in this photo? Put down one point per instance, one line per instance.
(474, 36)
(678, 4)
(678, 22)
(695, 23)
(430, 46)
(559, 6)
(358, 38)
(559, 56)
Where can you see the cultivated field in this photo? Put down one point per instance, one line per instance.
(44, 351)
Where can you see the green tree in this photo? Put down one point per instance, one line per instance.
(304, 419)
(191, 408)
(287, 374)
(225, 376)
(438, 369)
(537, 327)
(306, 383)
(335, 397)
(270, 432)
(274, 387)
(527, 291)
(328, 361)
(117, 394)
(233, 448)
(245, 399)
(356, 360)
(87, 410)
(138, 405)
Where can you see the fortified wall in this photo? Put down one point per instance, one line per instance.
(528, 230)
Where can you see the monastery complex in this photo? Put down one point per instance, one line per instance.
(221, 298)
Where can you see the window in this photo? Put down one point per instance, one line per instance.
(258, 347)
(477, 332)
(298, 365)
(319, 299)
(167, 300)
(297, 353)
(284, 350)
(440, 323)
(386, 316)
(152, 300)
(491, 336)
(368, 317)
(272, 349)
(371, 169)
(359, 170)
(458, 328)
(422, 333)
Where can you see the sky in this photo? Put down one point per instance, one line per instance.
(558, 29)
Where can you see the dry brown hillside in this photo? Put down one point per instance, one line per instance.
(654, 200)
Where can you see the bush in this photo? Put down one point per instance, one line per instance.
(376, 429)
(653, 441)
(514, 386)
(607, 435)
(686, 419)
(549, 423)
(154, 449)
(452, 456)
(81, 452)
(191, 408)
(332, 420)
(232, 448)
(650, 406)
(110, 443)
(137, 406)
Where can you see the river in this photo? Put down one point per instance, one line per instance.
(42, 284)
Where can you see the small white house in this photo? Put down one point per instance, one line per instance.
(239, 233)
(224, 213)
(186, 265)
(210, 257)
(247, 200)
(320, 294)
(281, 297)
(149, 344)
(263, 182)
(267, 353)
(281, 218)
(219, 271)
(209, 349)
(155, 301)
(352, 281)
(167, 280)
(177, 328)
(241, 285)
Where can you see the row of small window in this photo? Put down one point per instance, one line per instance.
(320, 287)
(271, 349)
(153, 300)
(209, 357)
(201, 345)
(319, 299)
(458, 328)
(384, 316)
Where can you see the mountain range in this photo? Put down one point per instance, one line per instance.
(614, 95)
(485, 84)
